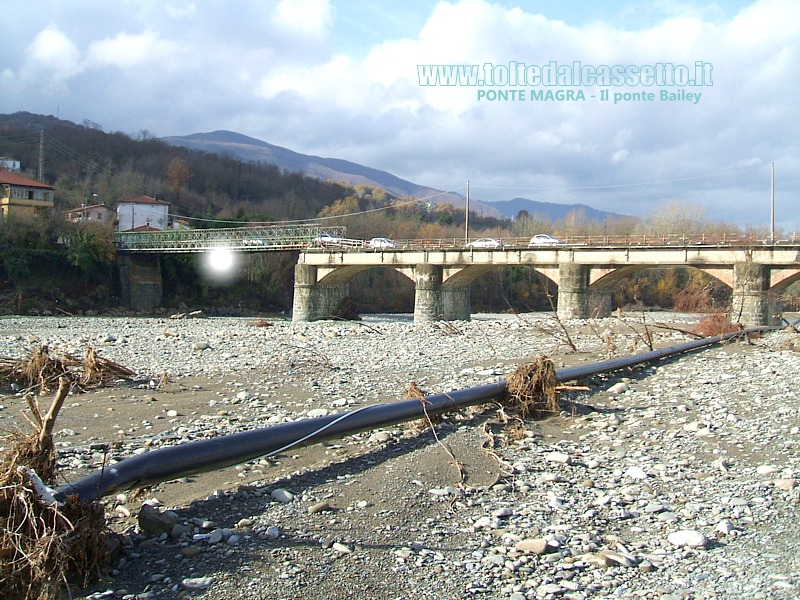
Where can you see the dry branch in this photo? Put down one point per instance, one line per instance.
(44, 545)
(42, 370)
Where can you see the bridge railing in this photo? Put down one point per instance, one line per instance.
(307, 237)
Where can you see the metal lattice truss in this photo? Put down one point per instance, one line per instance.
(256, 238)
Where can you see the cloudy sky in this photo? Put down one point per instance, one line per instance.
(341, 79)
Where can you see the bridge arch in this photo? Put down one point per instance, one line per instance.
(782, 278)
(609, 277)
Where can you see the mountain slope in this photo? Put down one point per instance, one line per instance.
(242, 147)
(245, 148)
(550, 210)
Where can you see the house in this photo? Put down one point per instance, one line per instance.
(22, 196)
(9, 164)
(94, 213)
(142, 213)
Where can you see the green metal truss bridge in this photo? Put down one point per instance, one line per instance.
(256, 238)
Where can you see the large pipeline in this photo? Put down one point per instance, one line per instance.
(202, 456)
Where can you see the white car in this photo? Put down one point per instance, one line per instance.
(383, 243)
(485, 243)
(326, 239)
(542, 239)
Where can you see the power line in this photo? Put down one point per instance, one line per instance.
(616, 185)
(316, 219)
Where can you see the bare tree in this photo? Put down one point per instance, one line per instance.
(677, 219)
(178, 173)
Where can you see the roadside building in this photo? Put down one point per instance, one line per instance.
(142, 213)
(94, 213)
(9, 164)
(22, 196)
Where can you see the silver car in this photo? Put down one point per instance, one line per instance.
(485, 243)
(542, 239)
(383, 243)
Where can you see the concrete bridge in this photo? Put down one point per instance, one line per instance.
(585, 275)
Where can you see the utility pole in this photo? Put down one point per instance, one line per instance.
(40, 171)
(772, 207)
(466, 217)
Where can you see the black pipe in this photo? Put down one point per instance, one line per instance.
(201, 456)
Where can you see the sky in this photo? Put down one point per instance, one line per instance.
(341, 79)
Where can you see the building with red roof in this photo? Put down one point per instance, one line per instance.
(20, 195)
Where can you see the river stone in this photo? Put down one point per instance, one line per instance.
(766, 469)
(787, 485)
(318, 508)
(156, 522)
(618, 388)
(725, 526)
(687, 537)
(197, 583)
(635, 472)
(557, 457)
(618, 558)
(281, 495)
(532, 545)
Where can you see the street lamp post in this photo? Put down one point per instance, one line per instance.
(466, 217)
(772, 207)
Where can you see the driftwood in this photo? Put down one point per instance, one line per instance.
(44, 544)
(42, 370)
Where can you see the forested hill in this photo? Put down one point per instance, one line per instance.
(82, 160)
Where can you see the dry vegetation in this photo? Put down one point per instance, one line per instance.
(42, 370)
(532, 389)
(716, 324)
(45, 544)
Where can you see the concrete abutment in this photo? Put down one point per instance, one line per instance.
(140, 281)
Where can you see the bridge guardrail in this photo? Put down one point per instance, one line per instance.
(301, 237)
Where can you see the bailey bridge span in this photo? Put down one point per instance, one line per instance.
(442, 270)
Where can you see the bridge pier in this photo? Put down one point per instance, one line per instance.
(576, 300)
(751, 303)
(313, 301)
(435, 302)
(140, 280)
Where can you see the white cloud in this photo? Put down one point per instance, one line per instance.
(52, 58)
(620, 156)
(311, 18)
(126, 50)
(181, 12)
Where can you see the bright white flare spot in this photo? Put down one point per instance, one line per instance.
(220, 260)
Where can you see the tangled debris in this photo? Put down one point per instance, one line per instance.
(42, 370)
(44, 544)
(411, 392)
(532, 390)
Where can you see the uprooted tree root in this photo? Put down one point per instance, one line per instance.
(42, 370)
(532, 390)
(412, 392)
(44, 545)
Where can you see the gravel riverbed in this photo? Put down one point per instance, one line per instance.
(677, 480)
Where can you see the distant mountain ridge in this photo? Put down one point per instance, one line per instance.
(551, 210)
(248, 149)
(242, 147)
